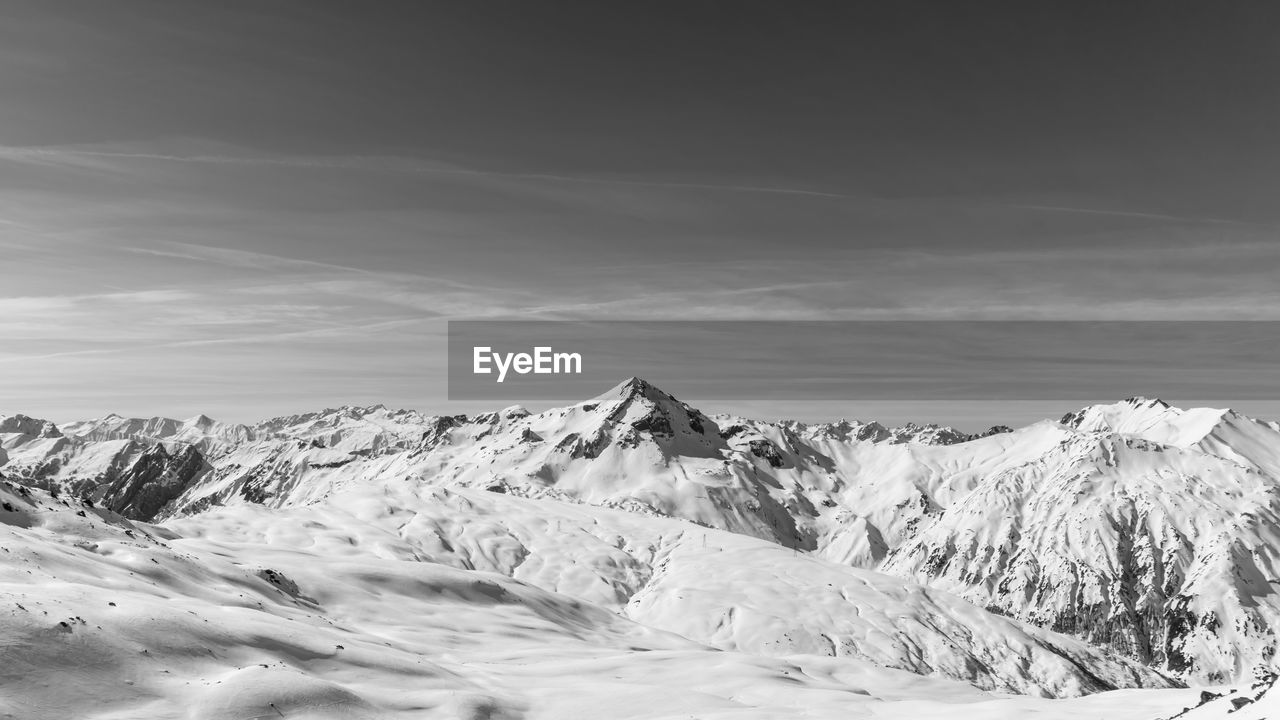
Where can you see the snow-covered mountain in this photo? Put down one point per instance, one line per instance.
(1149, 529)
(1145, 530)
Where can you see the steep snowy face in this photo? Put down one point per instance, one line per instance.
(1149, 418)
(634, 415)
(17, 431)
(1164, 552)
(1215, 431)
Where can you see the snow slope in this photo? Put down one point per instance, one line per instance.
(1257, 700)
(726, 590)
(336, 611)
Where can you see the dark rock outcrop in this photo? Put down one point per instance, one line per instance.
(156, 478)
(767, 451)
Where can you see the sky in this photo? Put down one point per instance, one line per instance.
(248, 209)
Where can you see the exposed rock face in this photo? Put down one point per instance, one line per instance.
(654, 423)
(284, 584)
(637, 410)
(134, 477)
(438, 429)
(849, 430)
(928, 434)
(768, 451)
(993, 430)
(586, 448)
(154, 480)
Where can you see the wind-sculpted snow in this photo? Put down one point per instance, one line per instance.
(1141, 528)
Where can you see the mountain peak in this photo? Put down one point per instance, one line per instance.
(202, 421)
(641, 407)
(635, 384)
(1138, 408)
(1144, 401)
(28, 426)
(1155, 420)
(514, 411)
(634, 387)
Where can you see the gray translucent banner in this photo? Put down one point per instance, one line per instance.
(898, 360)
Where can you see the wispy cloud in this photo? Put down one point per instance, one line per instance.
(235, 258)
(42, 303)
(347, 332)
(53, 155)
(19, 358)
(62, 155)
(1140, 215)
(268, 262)
(74, 155)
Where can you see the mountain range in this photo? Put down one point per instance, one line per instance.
(1125, 545)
